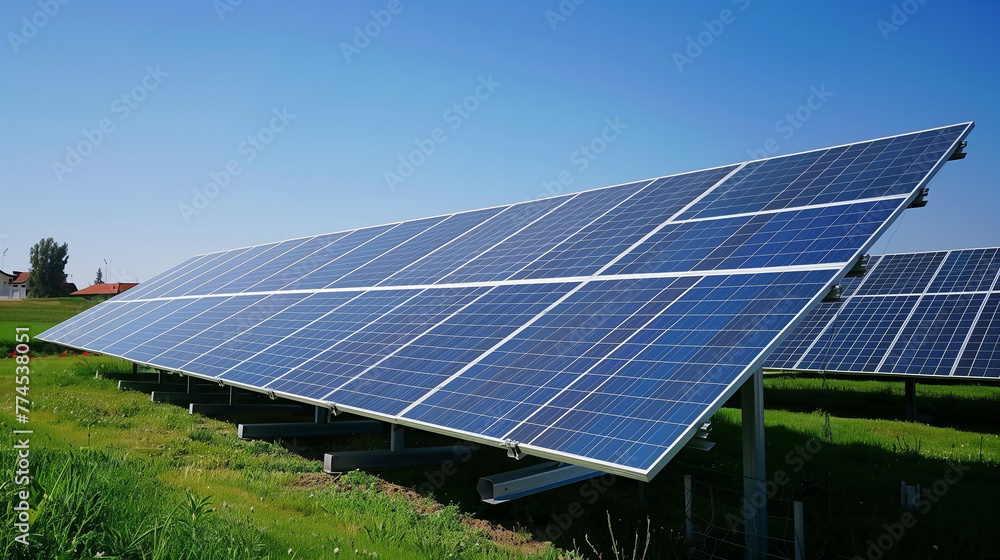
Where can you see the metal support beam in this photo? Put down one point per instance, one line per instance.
(385, 458)
(309, 429)
(135, 368)
(188, 398)
(911, 400)
(218, 409)
(137, 377)
(147, 386)
(754, 471)
(503, 487)
(320, 415)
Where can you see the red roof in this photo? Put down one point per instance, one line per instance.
(105, 289)
(22, 277)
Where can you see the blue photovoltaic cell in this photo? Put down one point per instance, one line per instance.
(207, 266)
(887, 167)
(250, 271)
(367, 345)
(981, 357)
(212, 268)
(658, 383)
(830, 234)
(179, 271)
(861, 335)
(234, 268)
(594, 246)
(932, 338)
(613, 372)
(162, 333)
(267, 333)
(121, 317)
(231, 318)
(465, 248)
(927, 334)
(972, 270)
(152, 326)
(63, 331)
(523, 247)
(529, 369)
(299, 256)
(413, 370)
(341, 322)
(902, 274)
(349, 261)
(787, 354)
(336, 247)
(389, 263)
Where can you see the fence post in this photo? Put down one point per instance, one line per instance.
(800, 532)
(688, 518)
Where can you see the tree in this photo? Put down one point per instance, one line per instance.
(48, 269)
(100, 277)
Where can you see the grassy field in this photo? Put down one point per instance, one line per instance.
(127, 478)
(838, 445)
(38, 315)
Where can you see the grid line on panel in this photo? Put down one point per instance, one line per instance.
(832, 321)
(680, 212)
(975, 323)
(916, 304)
(290, 335)
(478, 359)
(344, 340)
(540, 256)
(549, 212)
(593, 366)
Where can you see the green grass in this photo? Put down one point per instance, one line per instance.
(134, 479)
(38, 315)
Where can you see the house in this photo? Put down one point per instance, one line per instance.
(13, 285)
(20, 285)
(105, 289)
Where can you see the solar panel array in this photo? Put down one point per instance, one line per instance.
(597, 328)
(934, 314)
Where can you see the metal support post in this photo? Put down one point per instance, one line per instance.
(754, 471)
(911, 400)
(396, 442)
(320, 415)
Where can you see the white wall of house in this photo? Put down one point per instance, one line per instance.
(9, 291)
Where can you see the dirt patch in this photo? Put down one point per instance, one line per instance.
(496, 533)
(420, 504)
(311, 481)
(504, 537)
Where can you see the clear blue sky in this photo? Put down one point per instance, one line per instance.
(197, 85)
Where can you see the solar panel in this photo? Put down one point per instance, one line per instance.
(930, 314)
(597, 328)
